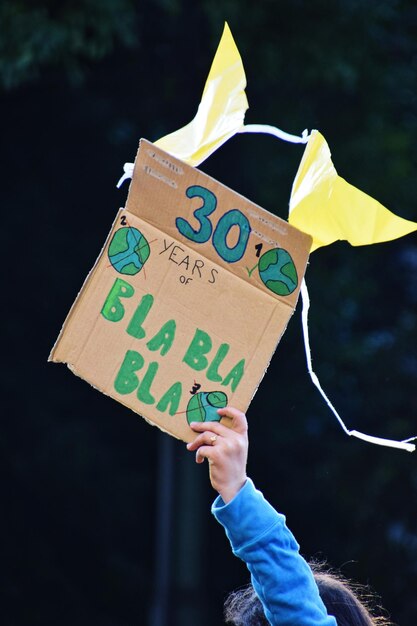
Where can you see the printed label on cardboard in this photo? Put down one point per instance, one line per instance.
(185, 305)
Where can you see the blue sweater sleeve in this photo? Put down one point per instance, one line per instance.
(281, 578)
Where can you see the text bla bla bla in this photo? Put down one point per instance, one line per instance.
(196, 355)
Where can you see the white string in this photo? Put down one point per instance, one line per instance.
(277, 132)
(303, 139)
(402, 445)
(250, 128)
(410, 439)
(128, 173)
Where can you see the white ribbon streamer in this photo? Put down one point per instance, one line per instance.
(128, 173)
(250, 128)
(303, 139)
(277, 132)
(402, 445)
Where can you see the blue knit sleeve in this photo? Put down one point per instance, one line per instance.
(281, 578)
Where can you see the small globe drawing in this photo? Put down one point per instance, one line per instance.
(128, 250)
(278, 272)
(203, 406)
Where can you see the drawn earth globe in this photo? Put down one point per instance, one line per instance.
(278, 272)
(128, 250)
(203, 406)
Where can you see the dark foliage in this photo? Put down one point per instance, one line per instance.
(82, 82)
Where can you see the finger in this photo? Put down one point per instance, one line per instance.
(239, 421)
(208, 438)
(214, 427)
(204, 452)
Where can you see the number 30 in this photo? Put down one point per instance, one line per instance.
(225, 224)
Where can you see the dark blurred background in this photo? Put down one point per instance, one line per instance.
(106, 520)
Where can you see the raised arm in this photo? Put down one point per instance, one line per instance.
(257, 533)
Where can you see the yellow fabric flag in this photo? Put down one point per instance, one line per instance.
(328, 208)
(221, 111)
(322, 203)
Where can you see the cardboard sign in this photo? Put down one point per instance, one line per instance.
(188, 299)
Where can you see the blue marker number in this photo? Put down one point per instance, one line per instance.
(226, 223)
(233, 218)
(203, 234)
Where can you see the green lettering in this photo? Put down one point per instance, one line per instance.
(163, 338)
(113, 310)
(135, 325)
(144, 394)
(126, 380)
(171, 398)
(199, 346)
(212, 372)
(235, 375)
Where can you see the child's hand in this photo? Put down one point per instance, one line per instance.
(226, 449)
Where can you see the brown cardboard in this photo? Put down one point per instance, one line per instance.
(194, 322)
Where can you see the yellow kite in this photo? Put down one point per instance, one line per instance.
(221, 111)
(327, 207)
(322, 203)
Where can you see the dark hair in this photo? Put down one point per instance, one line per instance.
(350, 604)
(243, 608)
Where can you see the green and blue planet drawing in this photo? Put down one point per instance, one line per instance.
(203, 406)
(128, 250)
(277, 271)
